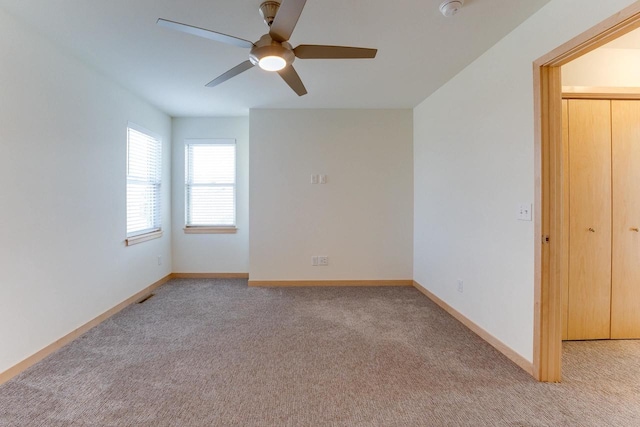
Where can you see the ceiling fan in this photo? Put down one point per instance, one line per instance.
(273, 51)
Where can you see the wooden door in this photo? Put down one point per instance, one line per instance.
(589, 298)
(625, 291)
(565, 201)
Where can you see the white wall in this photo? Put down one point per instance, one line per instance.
(361, 219)
(473, 162)
(604, 67)
(211, 253)
(63, 219)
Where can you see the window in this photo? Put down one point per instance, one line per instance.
(144, 172)
(210, 185)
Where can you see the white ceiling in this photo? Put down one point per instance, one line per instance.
(418, 49)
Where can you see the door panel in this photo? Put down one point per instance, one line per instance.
(589, 299)
(625, 303)
(565, 201)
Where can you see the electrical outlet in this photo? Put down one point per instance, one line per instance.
(460, 286)
(323, 261)
(159, 259)
(314, 261)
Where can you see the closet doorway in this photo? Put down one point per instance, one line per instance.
(552, 225)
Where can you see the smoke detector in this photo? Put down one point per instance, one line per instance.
(451, 7)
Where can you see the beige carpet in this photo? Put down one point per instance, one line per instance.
(217, 353)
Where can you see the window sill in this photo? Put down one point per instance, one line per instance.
(210, 230)
(134, 240)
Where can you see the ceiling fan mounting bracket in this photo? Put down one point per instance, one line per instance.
(268, 11)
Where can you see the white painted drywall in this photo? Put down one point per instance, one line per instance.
(211, 253)
(362, 219)
(63, 259)
(473, 162)
(604, 67)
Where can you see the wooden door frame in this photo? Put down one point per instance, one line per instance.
(551, 223)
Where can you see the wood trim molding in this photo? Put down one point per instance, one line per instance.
(493, 341)
(209, 275)
(336, 283)
(58, 344)
(550, 225)
(547, 346)
(608, 30)
(587, 92)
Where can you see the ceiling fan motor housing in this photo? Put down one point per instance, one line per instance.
(266, 46)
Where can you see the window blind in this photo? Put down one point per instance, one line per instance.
(210, 183)
(144, 173)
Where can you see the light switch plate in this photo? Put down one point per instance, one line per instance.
(524, 212)
(314, 179)
(323, 179)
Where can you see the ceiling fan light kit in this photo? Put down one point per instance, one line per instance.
(273, 51)
(451, 7)
(272, 63)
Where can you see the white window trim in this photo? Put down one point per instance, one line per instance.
(200, 229)
(212, 229)
(150, 234)
(140, 238)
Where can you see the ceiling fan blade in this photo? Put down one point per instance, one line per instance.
(207, 34)
(286, 19)
(231, 73)
(290, 76)
(311, 51)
